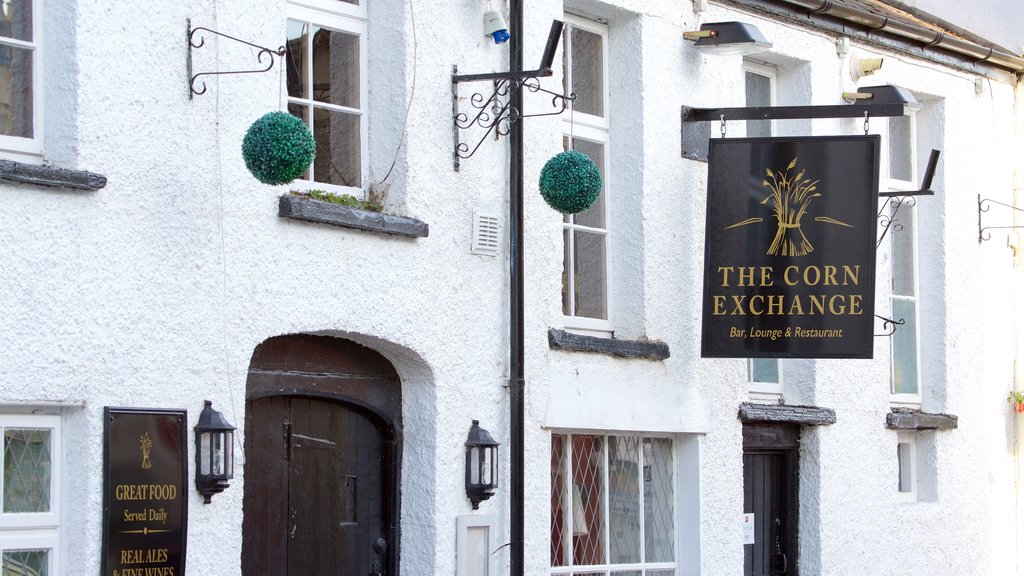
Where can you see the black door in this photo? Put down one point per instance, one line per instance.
(770, 492)
(314, 489)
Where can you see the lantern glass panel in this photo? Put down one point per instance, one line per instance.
(229, 460)
(485, 467)
(204, 453)
(474, 466)
(218, 454)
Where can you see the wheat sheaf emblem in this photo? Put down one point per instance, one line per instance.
(789, 197)
(145, 445)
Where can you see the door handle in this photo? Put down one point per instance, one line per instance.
(780, 564)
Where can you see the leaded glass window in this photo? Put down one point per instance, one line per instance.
(612, 505)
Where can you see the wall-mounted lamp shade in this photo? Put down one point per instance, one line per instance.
(481, 465)
(215, 446)
(887, 94)
(728, 39)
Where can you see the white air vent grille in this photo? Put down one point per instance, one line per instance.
(486, 233)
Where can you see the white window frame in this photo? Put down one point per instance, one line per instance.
(583, 126)
(763, 391)
(350, 19)
(768, 71)
(908, 440)
(15, 147)
(33, 531)
(677, 564)
(912, 400)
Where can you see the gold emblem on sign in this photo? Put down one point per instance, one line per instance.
(789, 198)
(145, 444)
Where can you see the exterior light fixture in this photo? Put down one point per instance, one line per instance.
(496, 27)
(728, 39)
(214, 452)
(481, 465)
(886, 94)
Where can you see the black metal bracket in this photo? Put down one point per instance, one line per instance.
(195, 41)
(889, 325)
(984, 205)
(494, 113)
(882, 101)
(905, 198)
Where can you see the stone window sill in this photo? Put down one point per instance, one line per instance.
(49, 176)
(562, 340)
(311, 210)
(786, 414)
(912, 419)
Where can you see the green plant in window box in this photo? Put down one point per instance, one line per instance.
(373, 203)
(1017, 399)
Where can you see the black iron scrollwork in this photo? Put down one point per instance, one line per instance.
(196, 40)
(984, 205)
(888, 219)
(889, 325)
(493, 112)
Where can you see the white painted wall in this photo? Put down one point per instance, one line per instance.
(155, 290)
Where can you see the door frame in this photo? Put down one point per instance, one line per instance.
(342, 371)
(783, 440)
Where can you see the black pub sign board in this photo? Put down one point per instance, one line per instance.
(145, 503)
(790, 247)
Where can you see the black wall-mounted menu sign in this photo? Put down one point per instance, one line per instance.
(145, 503)
(790, 247)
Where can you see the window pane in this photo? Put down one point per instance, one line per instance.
(302, 111)
(624, 499)
(759, 94)
(560, 503)
(26, 563)
(593, 216)
(904, 269)
(764, 370)
(630, 573)
(335, 67)
(297, 59)
(26, 470)
(900, 148)
(589, 257)
(338, 157)
(568, 278)
(16, 19)
(659, 499)
(588, 482)
(904, 454)
(587, 71)
(15, 92)
(904, 348)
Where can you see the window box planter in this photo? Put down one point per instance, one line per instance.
(310, 210)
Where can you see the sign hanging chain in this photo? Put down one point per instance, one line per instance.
(723, 125)
(867, 125)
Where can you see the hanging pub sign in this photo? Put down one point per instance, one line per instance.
(145, 503)
(790, 247)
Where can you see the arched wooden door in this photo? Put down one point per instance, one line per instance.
(321, 462)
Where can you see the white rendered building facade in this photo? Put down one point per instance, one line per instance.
(145, 267)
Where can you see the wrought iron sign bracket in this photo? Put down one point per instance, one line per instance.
(494, 113)
(874, 101)
(195, 41)
(889, 325)
(984, 205)
(905, 198)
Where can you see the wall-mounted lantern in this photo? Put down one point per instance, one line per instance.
(481, 465)
(728, 38)
(215, 457)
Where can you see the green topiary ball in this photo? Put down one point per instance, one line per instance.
(278, 148)
(570, 182)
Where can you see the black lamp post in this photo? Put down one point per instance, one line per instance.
(481, 465)
(215, 446)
